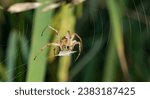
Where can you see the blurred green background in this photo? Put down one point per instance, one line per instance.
(115, 35)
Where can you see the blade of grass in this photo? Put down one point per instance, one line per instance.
(67, 23)
(63, 69)
(24, 47)
(11, 55)
(116, 22)
(110, 65)
(2, 73)
(79, 10)
(36, 68)
(64, 20)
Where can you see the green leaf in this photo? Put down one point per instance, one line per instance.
(11, 54)
(37, 68)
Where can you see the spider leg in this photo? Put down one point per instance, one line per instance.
(78, 43)
(72, 36)
(57, 33)
(54, 30)
(75, 34)
(49, 44)
(56, 50)
(46, 46)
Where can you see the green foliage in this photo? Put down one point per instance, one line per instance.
(11, 55)
(115, 35)
(36, 68)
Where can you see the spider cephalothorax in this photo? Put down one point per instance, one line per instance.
(65, 45)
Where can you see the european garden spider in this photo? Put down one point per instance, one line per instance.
(65, 45)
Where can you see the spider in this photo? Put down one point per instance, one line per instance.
(65, 45)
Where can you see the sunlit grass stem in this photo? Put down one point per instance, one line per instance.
(116, 23)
